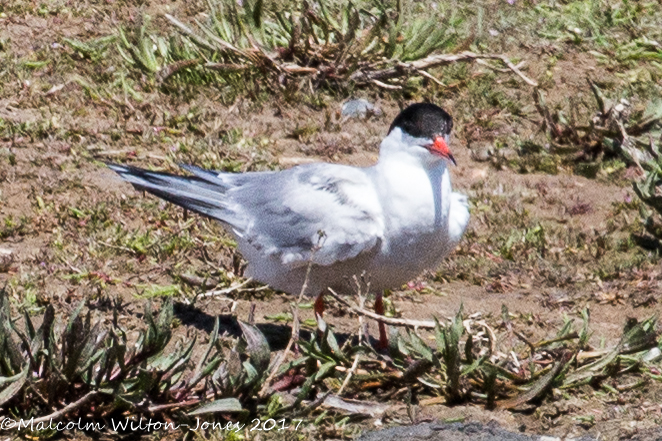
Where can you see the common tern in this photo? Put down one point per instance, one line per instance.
(390, 221)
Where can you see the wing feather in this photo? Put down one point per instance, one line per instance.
(319, 213)
(322, 213)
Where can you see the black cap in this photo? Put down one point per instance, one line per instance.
(423, 120)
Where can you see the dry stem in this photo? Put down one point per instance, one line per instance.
(258, 57)
(417, 66)
(381, 318)
(68, 408)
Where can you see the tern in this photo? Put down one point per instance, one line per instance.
(390, 221)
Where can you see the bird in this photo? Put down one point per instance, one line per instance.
(321, 223)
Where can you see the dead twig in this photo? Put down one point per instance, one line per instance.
(293, 339)
(570, 336)
(521, 336)
(381, 318)
(430, 77)
(516, 70)
(370, 74)
(162, 407)
(433, 61)
(300, 70)
(227, 67)
(68, 408)
(386, 86)
(293, 69)
(173, 68)
(625, 143)
(229, 289)
(592, 354)
(498, 69)
(355, 365)
(490, 336)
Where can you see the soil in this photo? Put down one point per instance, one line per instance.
(540, 290)
(455, 432)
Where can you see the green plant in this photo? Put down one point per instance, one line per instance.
(615, 128)
(84, 363)
(649, 191)
(331, 41)
(157, 56)
(93, 50)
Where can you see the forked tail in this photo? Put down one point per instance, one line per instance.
(203, 193)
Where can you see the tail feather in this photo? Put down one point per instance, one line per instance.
(209, 176)
(201, 193)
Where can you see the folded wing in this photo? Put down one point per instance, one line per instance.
(322, 213)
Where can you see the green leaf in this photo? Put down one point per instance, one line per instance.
(332, 345)
(451, 355)
(585, 332)
(17, 382)
(439, 335)
(29, 327)
(158, 332)
(181, 359)
(402, 345)
(11, 359)
(90, 353)
(257, 346)
(325, 369)
(420, 346)
(257, 13)
(394, 342)
(251, 373)
(305, 390)
(200, 370)
(473, 366)
(44, 338)
(218, 406)
(77, 339)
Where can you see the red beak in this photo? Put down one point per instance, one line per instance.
(440, 148)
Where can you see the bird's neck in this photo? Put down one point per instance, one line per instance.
(395, 153)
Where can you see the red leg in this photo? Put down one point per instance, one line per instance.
(379, 309)
(319, 305)
(318, 308)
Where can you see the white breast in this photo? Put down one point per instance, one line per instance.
(416, 203)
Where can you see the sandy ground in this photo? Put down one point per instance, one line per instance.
(581, 262)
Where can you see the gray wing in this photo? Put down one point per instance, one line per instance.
(284, 214)
(290, 213)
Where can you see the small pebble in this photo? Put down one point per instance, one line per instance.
(359, 108)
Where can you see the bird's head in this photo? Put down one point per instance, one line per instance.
(423, 130)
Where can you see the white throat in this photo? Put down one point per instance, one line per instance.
(413, 182)
(405, 149)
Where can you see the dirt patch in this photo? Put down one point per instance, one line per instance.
(455, 432)
(530, 292)
(544, 246)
